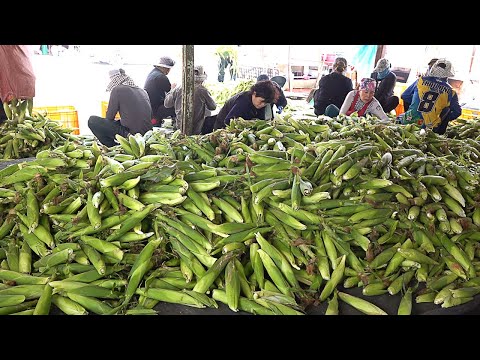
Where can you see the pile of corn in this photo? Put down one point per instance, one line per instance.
(464, 129)
(221, 92)
(266, 217)
(25, 133)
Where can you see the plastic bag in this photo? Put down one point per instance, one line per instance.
(17, 79)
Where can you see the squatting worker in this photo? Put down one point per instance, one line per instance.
(248, 104)
(361, 101)
(202, 101)
(158, 86)
(133, 105)
(433, 101)
(432, 61)
(386, 80)
(332, 88)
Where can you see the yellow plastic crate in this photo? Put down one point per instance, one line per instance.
(104, 110)
(469, 114)
(67, 115)
(400, 88)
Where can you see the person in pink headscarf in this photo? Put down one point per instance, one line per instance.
(362, 101)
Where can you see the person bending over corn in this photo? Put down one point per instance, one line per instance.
(280, 101)
(248, 104)
(433, 102)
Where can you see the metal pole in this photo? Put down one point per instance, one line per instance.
(187, 89)
(471, 60)
(290, 88)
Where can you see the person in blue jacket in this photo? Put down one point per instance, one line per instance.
(280, 101)
(433, 102)
(248, 104)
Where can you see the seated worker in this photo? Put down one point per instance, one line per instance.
(433, 102)
(157, 86)
(248, 104)
(202, 101)
(280, 101)
(406, 105)
(386, 81)
(361, 101)
(332, 88)
(133, 105)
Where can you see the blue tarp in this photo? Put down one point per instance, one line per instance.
(364, 60)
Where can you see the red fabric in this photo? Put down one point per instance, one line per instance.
(362, 111)
(16, 73)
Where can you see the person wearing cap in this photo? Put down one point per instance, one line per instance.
(362, 102)
(133, 105)
(430, 64)
(386, 80)
(332, 88)
(406, 105)
(280, 101)
(202, 100)
(247, 105)
(157, 86)
(433, 101)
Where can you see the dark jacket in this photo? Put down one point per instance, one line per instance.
(134, 107)
(157, 85)
(385, 87)
(239, 105)
(332, 89)
(202, 100)
(282, 100)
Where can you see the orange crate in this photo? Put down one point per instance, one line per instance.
(67, 115)
(104, 110)
(469, 114)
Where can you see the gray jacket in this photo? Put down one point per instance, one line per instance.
(202, 101)
(134, 107)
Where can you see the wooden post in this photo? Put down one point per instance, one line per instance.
(289, 77)
(381, 50)
(187, 89)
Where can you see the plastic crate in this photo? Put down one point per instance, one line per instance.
(469, 114)
(399, 88)
(400, 108)
(104, 110)
(67, 115)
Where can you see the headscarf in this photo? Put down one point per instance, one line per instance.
(383, 68)
(367, 84)
(118, 77)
